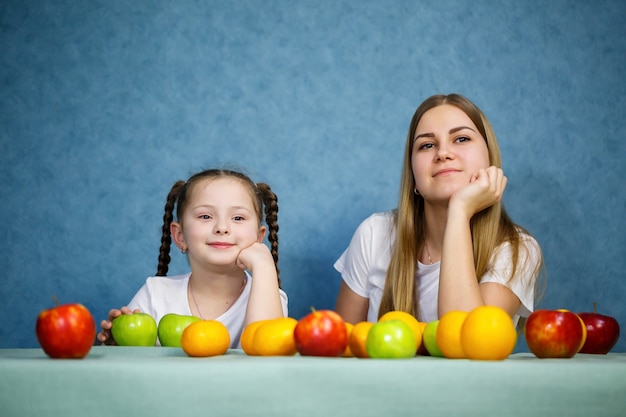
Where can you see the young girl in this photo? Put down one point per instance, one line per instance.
(218, 225)
(449, 245)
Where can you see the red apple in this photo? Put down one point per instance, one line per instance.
(602, 332)
(66, 331)
(321, 333)
(553, 333)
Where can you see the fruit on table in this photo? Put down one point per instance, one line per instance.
(449, 334)
(602, 332)
(171, 327)
(553, 333)
(204, 338)
(391, 339)
(488, 333)
(136, 329)
(275, 337)
(321, 333)
(348, 352)
(421, 350)
(407, 318)
(247, 337)
(358, 338)
(430, 339)
(66, 331)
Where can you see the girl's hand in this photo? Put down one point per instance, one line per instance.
(484, 190)
(253, 255)
(105, 336)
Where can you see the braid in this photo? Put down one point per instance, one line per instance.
(166, 237)
(270, 201)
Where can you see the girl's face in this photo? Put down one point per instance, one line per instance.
(447, 150)
(219, 222)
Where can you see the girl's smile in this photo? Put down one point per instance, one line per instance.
(221, 245)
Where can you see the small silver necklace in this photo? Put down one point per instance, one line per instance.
(430, 260)
(193, 297)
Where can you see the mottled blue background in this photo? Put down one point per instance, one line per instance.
(104, 104)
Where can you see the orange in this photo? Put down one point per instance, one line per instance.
(358, 337)
(348, 352)
(247, 337)
(205, 338)
(488, 333)
(275, 337)
(408, 319)
(449, 334)
(582, 343)
(421, 350)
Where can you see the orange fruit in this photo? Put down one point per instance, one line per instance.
(421, 350)
(582, 343)
(205, 338)
(348, 352)
(407, 318)
(247, 337)
(449, 334)
(488, 333)
(358, 337)
(275, 337)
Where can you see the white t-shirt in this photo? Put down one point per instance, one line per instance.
(162, 295)
(363, 267)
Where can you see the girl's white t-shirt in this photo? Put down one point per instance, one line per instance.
(363, 267)
(162, 295)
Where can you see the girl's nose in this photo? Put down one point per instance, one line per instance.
(221, 228)
(444, 152)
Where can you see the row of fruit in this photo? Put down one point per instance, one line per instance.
(485, 333)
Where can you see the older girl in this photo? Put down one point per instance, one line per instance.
(450, 244)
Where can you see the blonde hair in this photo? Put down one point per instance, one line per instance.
(490, 227)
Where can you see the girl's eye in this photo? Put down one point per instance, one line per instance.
(424, 146)
(205, 217)
(463, 139)
(239, 218)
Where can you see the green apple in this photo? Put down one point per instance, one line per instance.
(137, 329)
(391, 339)
(430, 339)
(171, 328)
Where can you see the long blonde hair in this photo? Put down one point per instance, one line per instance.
(489, 228)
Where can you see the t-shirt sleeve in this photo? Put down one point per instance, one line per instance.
(355, 262)
(284, 301)
(523, 283)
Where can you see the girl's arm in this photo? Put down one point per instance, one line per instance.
(351, 306)
(264, 302)
(458, 285)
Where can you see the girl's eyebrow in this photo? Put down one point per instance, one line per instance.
(432, 135)
(212, 207)
(456, 129)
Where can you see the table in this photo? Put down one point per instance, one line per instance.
(156, 381)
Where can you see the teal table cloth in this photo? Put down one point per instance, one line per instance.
(156, 381)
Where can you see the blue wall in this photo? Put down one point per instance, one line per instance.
(104, 104)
